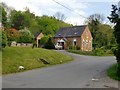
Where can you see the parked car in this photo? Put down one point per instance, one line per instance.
(58, 47)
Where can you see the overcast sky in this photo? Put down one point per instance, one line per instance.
(49, 7)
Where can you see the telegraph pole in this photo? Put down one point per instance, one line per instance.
(119, 9)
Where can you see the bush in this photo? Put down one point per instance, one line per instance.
(114, 49)
(49, 44)
(74, 48)
(44, 40)
(109, 52)
(34, 43)
(25, 36)
(99, 51)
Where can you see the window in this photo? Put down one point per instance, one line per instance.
(86, 43)
(74, 42)
(83, 42)
(86, 32)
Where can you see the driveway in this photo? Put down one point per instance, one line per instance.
(83, 72)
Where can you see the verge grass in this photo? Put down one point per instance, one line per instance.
(90, 53)
(112, 72)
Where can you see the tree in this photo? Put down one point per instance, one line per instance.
(114, 18)
(93, 24)
(12, 34)
(25, 36)
(101, 33)
(3, 39)
(21, 19)
(17, 19)
(4, 15)
(48, 25)
(60, 16)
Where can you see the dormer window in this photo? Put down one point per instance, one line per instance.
(75, 33)
(59, 34)
(86, 32)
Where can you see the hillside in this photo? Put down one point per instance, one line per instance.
(13, 57)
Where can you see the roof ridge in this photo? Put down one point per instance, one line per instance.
(74, 26)
(71, 31)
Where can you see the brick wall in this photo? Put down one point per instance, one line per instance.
(84, 42)
(86, 38)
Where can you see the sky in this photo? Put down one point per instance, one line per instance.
(80, 9)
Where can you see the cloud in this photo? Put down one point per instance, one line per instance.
(75, 21)
(49, 7)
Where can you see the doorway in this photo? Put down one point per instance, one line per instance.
(62, 45)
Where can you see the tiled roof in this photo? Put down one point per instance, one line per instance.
(36, 34)
(70, 31)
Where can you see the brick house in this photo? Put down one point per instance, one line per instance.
(79, 36)
(38, 36)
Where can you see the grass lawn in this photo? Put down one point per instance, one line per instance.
(112, 72)
(13, 57)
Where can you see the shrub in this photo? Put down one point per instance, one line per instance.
(25, 36)
(74, 48)
(114, 49)
(49, 44)
(44, 40)
(34, 43)
(109, 52)
(99, 51)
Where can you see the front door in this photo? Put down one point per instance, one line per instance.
(62, 44)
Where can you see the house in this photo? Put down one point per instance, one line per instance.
(38, 36)
(79, 36)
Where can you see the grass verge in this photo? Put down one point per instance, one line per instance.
(13, 57)
(81, 52)
(112, 72)
(90, 53)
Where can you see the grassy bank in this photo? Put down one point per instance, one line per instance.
(112, 72)
(13, 57)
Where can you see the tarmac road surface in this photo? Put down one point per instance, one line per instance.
(79, 73)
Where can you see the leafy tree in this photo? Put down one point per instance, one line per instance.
(25, 36)
(4, 15)
(34, 26)
(48, 25)
(60, 16)
(102, 33)
(20, 20)
(94, 26)
(3, 39)
(17, 19)
(114, 18)
(12, 34)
